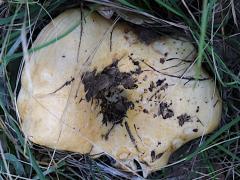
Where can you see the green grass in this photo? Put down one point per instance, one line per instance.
(213, 27)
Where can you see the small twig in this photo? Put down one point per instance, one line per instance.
(170, 75)
(131, 136)
(62, 86)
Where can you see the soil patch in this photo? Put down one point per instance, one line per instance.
(107, 88)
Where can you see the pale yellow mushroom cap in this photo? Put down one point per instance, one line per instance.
(170, 107)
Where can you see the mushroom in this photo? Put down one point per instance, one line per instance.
(105, 89)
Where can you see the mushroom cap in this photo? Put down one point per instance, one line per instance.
(170, 108)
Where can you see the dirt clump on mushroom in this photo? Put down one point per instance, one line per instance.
(107, 88)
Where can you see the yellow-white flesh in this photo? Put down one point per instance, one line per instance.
(54, 111)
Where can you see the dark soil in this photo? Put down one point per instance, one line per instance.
(183, 118)
(107, 89)
(165, 111)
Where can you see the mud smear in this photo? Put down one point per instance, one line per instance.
(145, 36)
(165, 111)
(107, 88)
(155, 156)
(183, 118)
